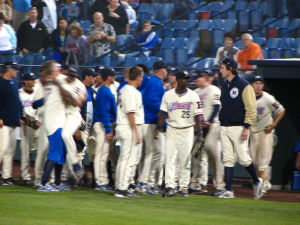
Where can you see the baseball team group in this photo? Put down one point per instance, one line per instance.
(168, 134)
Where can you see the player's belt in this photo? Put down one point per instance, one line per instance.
(181, 128)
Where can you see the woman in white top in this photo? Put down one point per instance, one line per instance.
(8, 41)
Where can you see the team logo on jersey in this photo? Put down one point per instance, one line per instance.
(27, 103)
(182, 105)
(234, 92)
(260, 110)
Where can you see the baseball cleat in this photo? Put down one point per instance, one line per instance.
(217, 192)
(61, 187)
(9, 182)
(144, 189)
(170, 192)
(226, 194)
(131, 188)
(156, 190)
(266, 188)
(257, 189)
(121, 194)
(104, 187)
(46, 188)
(184, 193)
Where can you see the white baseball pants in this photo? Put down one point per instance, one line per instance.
(130, 154)
(179, 143)
(7, 149)
(232, 144)
(28, 143)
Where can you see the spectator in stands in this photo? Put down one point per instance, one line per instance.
(33, 39)
(8, 41)
(131, 14)
(76, 45)
(251, 51)
(147, 39)
(20, 9)
(58, 38)
(6, 10)
(98, 6)
(50, 15)
(227, 51)
(69, 10)
(116, 15)
(99, 37)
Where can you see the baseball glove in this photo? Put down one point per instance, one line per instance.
(198, 147)
(31, 121)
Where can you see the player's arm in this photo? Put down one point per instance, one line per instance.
(131, 117)
(162, 116)
(249, 100)
(67, 95)
(279, 114)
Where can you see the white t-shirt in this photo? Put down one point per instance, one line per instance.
(55, 109)
(266, 105)
(181, 108)
(130, 100)
(26, 101)
(5, 43)
(209, 97)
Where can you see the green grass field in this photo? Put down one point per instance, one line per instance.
(26, 206)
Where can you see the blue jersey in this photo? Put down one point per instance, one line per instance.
(105, 108)
(152, 97)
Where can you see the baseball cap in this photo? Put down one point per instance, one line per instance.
(107, 72)
(28, 76)
(64, 67)
(73, 72)
(98, 69)
(182, 75)
(88, 71)
(11, 64)
(201, 73)
(172, 71)
(230, 62)
(257, 78)
(160, 65)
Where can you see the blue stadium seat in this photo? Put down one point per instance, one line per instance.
(191, 60)
(256, 19)
(180, 24)
(231, 14)
(191, 24)
(273, 43)
(143, 60)
(264, 8)
(297, 45)
(215, 8)
(217, 24)
(191, 45)
(265, 53)
(295, 23)
(194, 33)
(243, 20)
(181, 55)
(228, 4)
(180, 33)
(241, 5)
(121, 39)
(205, 24)
(259, 40)
(204, 64)
(145, 12)
(288, 46)
(217, 37)
(180, 42)
(168, 33)
(85, 24)
(152, 60)
(283, 25)
(155, 11)
(19, 59)
(239, 44)
(165, 11)
(253, 5)
(273, 46)
(130, 61)
(168, 43)
(270, 24)
(230, 25)
(168, 56)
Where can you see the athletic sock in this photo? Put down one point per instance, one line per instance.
(49, 165)
(228, 178)
(251, 170)
(58, 170)
(76, 167)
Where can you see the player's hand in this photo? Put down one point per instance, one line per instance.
(155, 134)
(109, 136)
(206, 123)
(269, 129)
(115, 15)
(1, 123)
(138, 138)
(245, 134)
(78, 135)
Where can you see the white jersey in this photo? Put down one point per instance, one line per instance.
(181, 108)
(209, 97)
(130, 100)
(55, 109)
(114, 87)
(39, 92)
(26, 101)
(77, 90)
(266, 106)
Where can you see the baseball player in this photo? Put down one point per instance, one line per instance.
(152, 96)
(210, 99)
(29, 128)
(104, 114)
(181, 108)
(10, 117)
(98, 80)
(172, 83)
(130, 117)
(237, 114)
(262, 130)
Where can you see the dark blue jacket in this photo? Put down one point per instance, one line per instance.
(152, 97)
(233, 109)
(10, 105)
(105, 109)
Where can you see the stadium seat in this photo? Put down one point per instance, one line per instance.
(168, 43)
(283, 25)
(180, 33)
(191, 45)
(217, 24)
(205, 24)
(243, 21)
(191, 24)
(259, 40)
(180, 42)
(165, 11)
(204, 64)
(85, 24)
(295, 27)
(297, 45)
(218, 37)
(194, 33)
(145, 12)
(143, 60)
(181, 55)
(191, 60)
(227, 4)
(253, 5)
(256, 19)
(273, 46)
(239, 44)
(288, 46)
(168, 56)
(168, 33)
(152, 60)
(215, 8)
(265, 53)
(241, 5)
(264, 8)
(130, 61)
(230, 25)
(231, 14)
(155, 11)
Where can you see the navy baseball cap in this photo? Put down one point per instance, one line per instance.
(28, 76)
(11, 64)
(182, 75)
(257, 78)
(98, 69)
(73, 72)
(107, 72)
(172, 71)
(88, 72)
(160, 65)
(230, 62)
(201, 73)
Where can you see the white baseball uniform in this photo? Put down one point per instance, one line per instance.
(181, 109)
(130, 101)
(261, 144)
(209, 96)
(28, 135)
